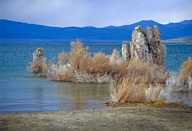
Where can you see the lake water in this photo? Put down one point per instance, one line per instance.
(19, 93)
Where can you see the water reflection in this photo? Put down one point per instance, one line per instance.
(71, 96)
(39, 93)
(82, 96)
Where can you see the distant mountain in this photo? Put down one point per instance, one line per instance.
(11, 30)
(186, 22)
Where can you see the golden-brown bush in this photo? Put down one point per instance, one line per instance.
(79, 57)
(99, 64)
(117, 65)
(39, 69)
(63, 57)
(81, 64)
(60, 73)
(149, 83)
(136, 85)
(134, 89)
(127, 90)
(186, 70)
(147, 74)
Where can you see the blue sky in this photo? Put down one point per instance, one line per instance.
(99, 13)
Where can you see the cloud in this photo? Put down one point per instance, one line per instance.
(98, 13)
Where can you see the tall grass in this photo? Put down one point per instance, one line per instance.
(127, 90)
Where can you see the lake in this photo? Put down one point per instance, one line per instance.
(19, 93)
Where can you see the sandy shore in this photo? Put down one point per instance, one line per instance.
(117, 119)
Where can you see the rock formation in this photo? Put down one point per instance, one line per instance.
(139, 45)
(125, 53)
(38, 55)
(36, 65)
(147, 45)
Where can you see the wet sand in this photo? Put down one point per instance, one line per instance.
(113, 119)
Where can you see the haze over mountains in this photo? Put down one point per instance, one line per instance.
(11, 31)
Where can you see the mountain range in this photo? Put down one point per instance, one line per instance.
(15, 31)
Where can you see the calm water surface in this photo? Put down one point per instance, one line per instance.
(19, 93)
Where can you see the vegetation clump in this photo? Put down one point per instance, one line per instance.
(135, 89)
(183, 81)
(139, 86)
(150, 102)
(160, 103)
(39, 69)
(186, 70)
(79, 66)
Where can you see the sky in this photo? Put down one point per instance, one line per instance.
(98, 13)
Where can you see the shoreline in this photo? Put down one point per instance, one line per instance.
(115, 118)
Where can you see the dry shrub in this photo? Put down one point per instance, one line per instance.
(186, 70)
(79, 57)
(150, 74)
(84, 68)
(183, 81)
(63, 57)
(153, 91)
(84, 77)
(102, 64)
(60, 73)
(117, 65)
(69, 64)
(140, 84)
(106, 78)
(149, 81)
(127, 90)
(99, 64)
(91, 78)
(38, 68)
(179, 87)
(133, 90)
